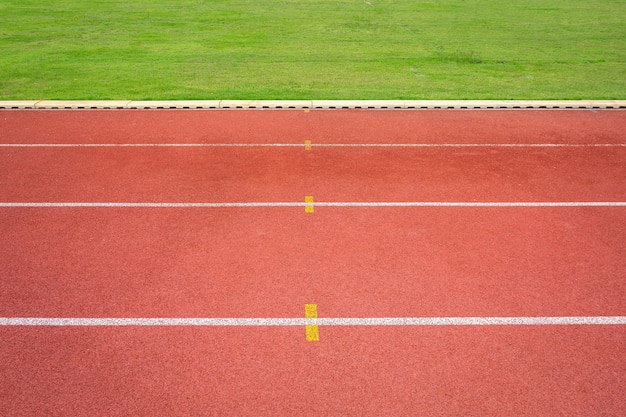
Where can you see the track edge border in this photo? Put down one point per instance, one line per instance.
(311, 104)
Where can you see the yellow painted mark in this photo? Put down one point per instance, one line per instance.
(312, 332)
(308, 208)
(310, 311)
(307, 145)
(306, 110)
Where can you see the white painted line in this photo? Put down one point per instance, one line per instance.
(476, 204)
(376, 321)
(156, 205)
(42, 321)
(326, 204)
(471, 321)
(316, 145)
(148, 145)
(471, 145)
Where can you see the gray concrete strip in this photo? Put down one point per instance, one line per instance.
(18, 104)
(265, 104)
(360, 104)
(314, 104)
(513, 104)
(82, 104)
(174, 104)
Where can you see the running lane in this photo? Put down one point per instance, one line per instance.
(268, 261)
(329, 126)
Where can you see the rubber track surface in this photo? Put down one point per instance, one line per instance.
(350, 261)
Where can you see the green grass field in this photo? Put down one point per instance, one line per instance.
(313, 49)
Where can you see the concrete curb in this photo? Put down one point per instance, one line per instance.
(314, 104)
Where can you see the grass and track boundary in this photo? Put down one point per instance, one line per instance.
(313, 104)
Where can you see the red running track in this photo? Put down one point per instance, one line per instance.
(351, 261)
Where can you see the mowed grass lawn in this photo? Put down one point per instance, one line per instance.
(312, 49)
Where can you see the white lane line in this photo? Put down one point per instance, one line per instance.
(380, 321)
(155, 205)
(474, 145)
(325, 204)
(476, 204)
(146, 145)
(314, 145)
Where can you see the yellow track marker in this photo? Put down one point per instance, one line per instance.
(307, 145)
(308, 208)
(312, 332)
(306, 110)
